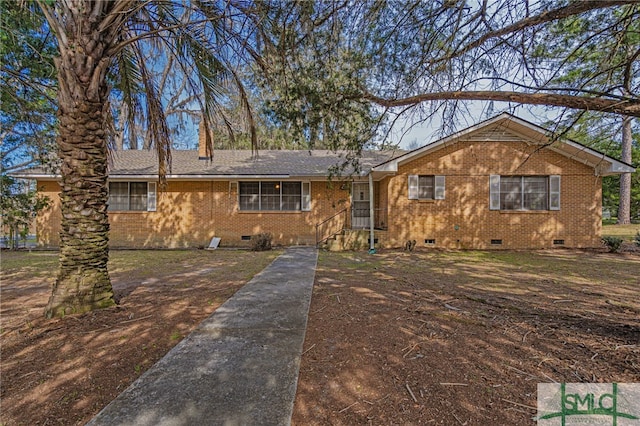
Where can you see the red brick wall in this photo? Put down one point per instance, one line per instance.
(190, 213)
(463, 218)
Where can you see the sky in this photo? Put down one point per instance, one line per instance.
(423, 133)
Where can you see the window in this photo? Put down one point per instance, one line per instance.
(426, 187)
(132, 196)
(287, 196)
(524, 192)
(270, 195)
(291, 196)
(249, 195)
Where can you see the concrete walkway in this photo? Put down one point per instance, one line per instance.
(239, 367)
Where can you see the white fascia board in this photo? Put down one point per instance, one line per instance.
(564, 147)
(147, 177)
(195, 177)
(377, 175)
(392, 165)
(604, 164)
(589, 156)
(35, 176)
(615, 165)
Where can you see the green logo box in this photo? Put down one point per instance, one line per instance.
(569, 404)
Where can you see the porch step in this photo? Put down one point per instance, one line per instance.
(349, 240)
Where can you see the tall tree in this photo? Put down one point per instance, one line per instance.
(366, 59)
(101, 53)
(459, 50)
(600, 49)
(27, 88)
(307, 95)
(603, 132)
(624, 207)
(424, 58)
(427, 58)
(19, 205)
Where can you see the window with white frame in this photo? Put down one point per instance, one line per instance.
(132, 196)
(524, 192)
(269, 195)
(426, 187)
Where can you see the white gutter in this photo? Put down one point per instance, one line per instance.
(35, 176)
(154, 176)
(197, 177)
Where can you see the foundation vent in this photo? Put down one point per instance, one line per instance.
(496, 242)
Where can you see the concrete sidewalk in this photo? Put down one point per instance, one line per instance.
(239, 367)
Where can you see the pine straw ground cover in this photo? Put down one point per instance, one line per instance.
(428, 337)
(63, 371)
(463, 338)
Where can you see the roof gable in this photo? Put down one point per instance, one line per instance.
(495, 134)
(508, 128)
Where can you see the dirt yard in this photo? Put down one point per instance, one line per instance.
(62, 372)
(428, 337)
(463, 338)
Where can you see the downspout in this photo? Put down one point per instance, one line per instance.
(372, 248)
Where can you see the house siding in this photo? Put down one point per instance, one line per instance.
(190, 213)
(463, 219)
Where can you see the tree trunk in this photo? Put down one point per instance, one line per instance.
(624, 208)
(82, 283)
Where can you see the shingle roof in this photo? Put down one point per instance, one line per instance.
(185, 163)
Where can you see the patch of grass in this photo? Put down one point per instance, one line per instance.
(147, 261)
(153, 263)
(360, 261)
(517, 273)
(34, 262)
(176, 335)
(135, 264)
(626, 232)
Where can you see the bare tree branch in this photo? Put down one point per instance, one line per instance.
(624, 106)
(573, 8)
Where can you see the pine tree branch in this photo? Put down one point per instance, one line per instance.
(572, 9)
(619, 106)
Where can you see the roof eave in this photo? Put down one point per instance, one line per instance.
(589, 156)
(35, 176)
(602, 163)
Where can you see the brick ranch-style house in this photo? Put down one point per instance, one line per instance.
(503, 183)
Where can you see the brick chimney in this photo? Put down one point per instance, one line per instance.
(203, 152)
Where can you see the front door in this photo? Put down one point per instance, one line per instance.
(360, 205)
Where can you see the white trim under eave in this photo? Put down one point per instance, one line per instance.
(392, 165)
(615, 166)
(154, 177)
(219, 177)
(40, 177)
(197, 177)
(594, 158)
